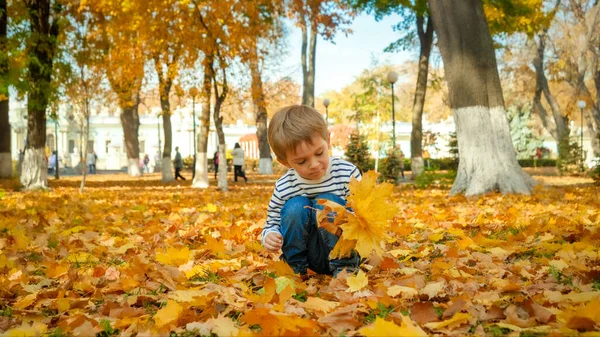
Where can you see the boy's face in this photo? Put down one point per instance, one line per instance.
(309, 160)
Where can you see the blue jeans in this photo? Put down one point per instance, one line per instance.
(305, 245)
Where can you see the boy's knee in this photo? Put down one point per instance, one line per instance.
(296, 206)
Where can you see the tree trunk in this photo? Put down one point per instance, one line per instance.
(308, 70)
(41, 46)
(304, 62)
(265, 163)
(416, 136)
(487, 156)
(5, 146)
(84, 147)
(165, 88)
(166, 163)
(130, 120)
(201, 175)
(541, 82)
(222, 179)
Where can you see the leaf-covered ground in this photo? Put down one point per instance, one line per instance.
(134, 257)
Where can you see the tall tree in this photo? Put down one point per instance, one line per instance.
(5, 146)
(415, 19)
(122, 39)
(83, 84)
(487, 156)
(580, 56)
(42, 47)
(263, 32)
(168, 18)
(316, 17)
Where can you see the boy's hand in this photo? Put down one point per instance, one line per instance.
(273, 242)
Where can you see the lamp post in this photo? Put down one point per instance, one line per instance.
(392, 77)
(581, 105)
(326, 104)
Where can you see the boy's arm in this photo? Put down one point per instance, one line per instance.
(273, 215)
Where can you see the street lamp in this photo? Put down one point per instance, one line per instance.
(326, 104)
(392, 77)
(581, 105)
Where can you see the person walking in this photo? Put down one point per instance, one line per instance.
(238, 162)
(52, 162)
(216, 163)
(401, 159)
(91, 162)
(178, 163)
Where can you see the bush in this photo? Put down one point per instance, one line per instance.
(569, 156)
(429, 179)
(595, 172)
(357, 152)
(392, 168)
(537, 162)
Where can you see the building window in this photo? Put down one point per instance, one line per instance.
(106, 146)
(71, 146)
(90, 146)
(142, 146)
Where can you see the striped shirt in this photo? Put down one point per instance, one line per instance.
(291, 185)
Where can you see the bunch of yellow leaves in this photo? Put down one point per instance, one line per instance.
(363, 225)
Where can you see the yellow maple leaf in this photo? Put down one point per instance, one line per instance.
(458, 319)
(382, 328)
(167, 315)
(372, 211)
(357, 282)
(319, 304)
(35, 329)
(174, 256)
(343, 248)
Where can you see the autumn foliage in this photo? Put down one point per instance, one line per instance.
(140, 258)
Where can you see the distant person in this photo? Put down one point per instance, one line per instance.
(146, 162)
(238, 163)
(216, 162)
(178, 163)
(91, 162)
(401, 160)
(52, 162)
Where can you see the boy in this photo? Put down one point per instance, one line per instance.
(299, 138)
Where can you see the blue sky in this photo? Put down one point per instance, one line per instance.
(338, 64)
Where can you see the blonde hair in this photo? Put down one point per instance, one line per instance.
(293, 125)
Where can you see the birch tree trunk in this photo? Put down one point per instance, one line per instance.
(201, 175)
(416, 137)
(5, 144)
(265, 163)
(487, 156)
